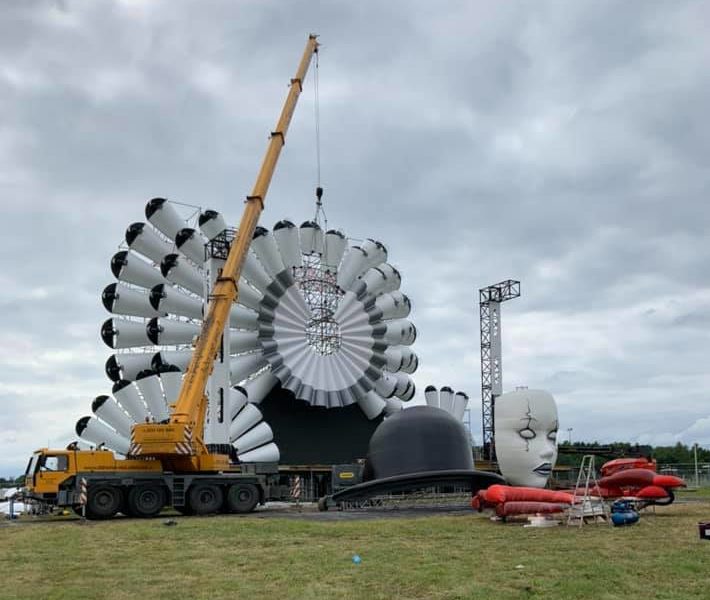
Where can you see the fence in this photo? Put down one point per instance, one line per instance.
(687, 471)
(566, 477)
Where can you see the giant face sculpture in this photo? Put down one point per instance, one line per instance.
(526, 436)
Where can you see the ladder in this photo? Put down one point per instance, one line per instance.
(592, 507)
(179, 491)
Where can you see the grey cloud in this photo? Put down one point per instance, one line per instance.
(694, 319)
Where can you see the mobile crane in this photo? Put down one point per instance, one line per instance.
(169, 463)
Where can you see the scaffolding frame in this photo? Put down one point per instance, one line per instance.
(490, 298)
(319, 286)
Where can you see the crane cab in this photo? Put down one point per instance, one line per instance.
(46, 472)
(50, 471)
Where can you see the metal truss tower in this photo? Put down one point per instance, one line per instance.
(490, 299)
(319, 286)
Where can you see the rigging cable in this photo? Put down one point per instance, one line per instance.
(320, 211)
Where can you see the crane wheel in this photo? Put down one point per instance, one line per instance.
(103, 501)
(145, 501)
(242, 498)
(205, 498)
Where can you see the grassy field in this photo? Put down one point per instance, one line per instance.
(694, 493)
(464, 556)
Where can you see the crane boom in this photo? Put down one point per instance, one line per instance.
(182, 437)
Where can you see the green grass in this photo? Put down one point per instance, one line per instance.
(698, 493)
(436, 557)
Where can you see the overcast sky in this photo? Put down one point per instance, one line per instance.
(564, 144)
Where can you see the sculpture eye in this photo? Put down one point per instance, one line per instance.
(526, 433)
(552, 435)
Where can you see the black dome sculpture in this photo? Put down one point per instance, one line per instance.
(416, 448)
(417, 440)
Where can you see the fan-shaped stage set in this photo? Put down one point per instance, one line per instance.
(316, 352)
(246, 357)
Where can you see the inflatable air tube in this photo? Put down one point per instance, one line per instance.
(508, 509)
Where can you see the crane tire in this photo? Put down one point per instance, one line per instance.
(145, 501)
(242, 498)
(103, 501)
(205, 498)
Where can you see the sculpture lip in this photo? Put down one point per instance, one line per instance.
(544, 469)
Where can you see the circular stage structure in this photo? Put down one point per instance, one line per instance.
(317, 350)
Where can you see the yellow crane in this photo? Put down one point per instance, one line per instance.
(169, 463)
(180, 442)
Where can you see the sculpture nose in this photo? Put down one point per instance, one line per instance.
(547, 453)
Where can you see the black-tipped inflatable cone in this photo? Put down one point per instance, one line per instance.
(113, 369)
(153, 206)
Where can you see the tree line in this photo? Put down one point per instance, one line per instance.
(8, 482)
(671, 455)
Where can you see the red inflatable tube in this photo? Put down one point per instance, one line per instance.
(499, 494)
(607, 492)
(622, 464)
(639, 478)
(668, 481)
(628, 477)
(652, 492)
(529, 508)
(479, 501)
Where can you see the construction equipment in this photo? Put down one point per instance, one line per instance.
(168, 462)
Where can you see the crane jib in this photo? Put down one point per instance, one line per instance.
(183, 435)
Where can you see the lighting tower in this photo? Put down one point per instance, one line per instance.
(490, 299)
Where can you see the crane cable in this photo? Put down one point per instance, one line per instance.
(320, 211)
(316, 92)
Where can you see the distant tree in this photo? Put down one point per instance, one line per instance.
(665, 455)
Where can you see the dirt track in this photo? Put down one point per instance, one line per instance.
(279, 510)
